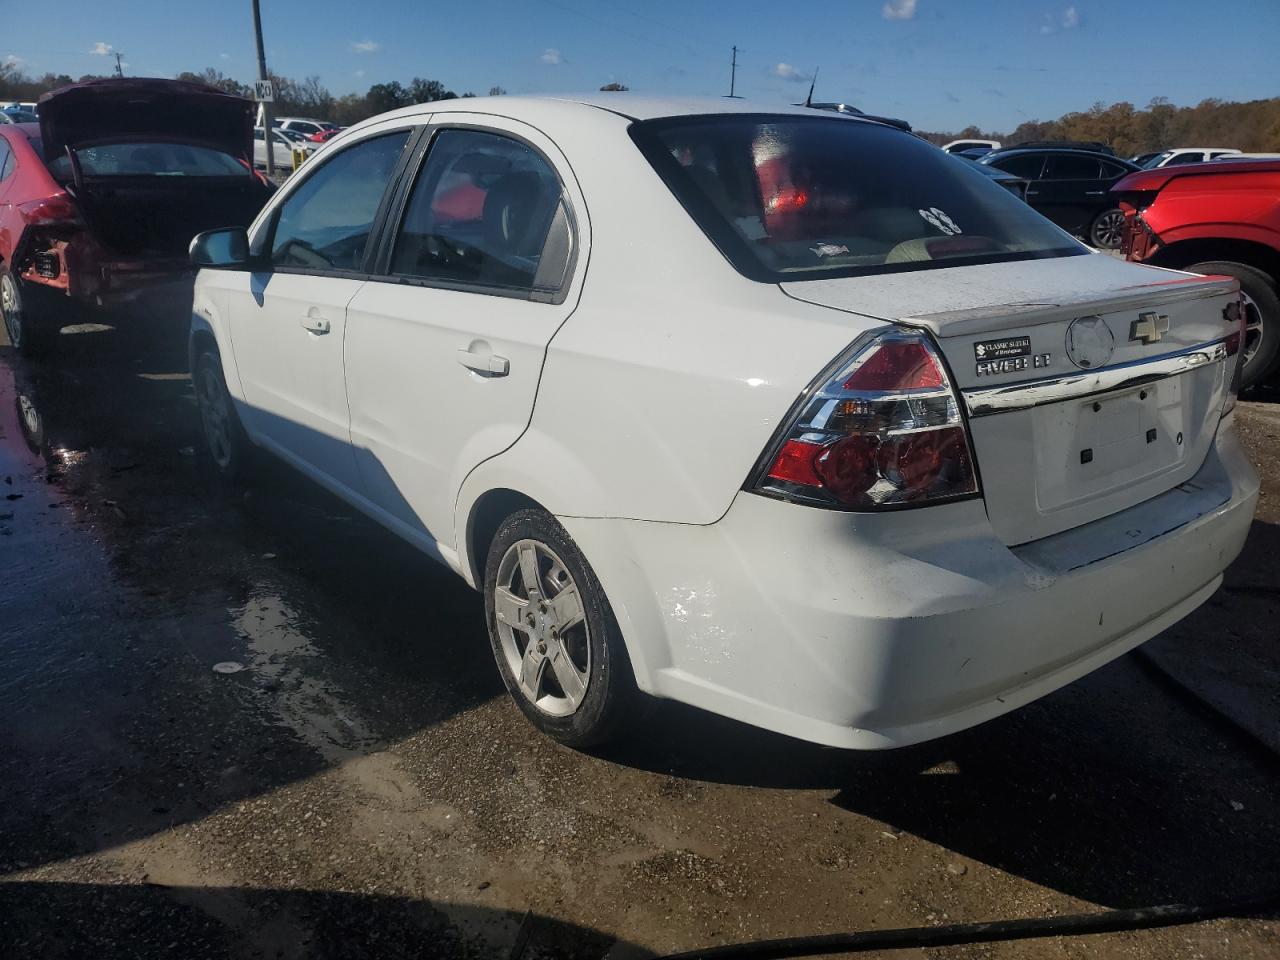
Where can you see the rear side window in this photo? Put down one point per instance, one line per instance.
(1111, 171)
(793, 197)
(480, 213)
(1071, 166)
(325, 223)
(7, 162)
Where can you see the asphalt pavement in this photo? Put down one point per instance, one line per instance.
(247, 722)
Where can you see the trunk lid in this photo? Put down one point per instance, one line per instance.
(1092, 384)
(122, 110)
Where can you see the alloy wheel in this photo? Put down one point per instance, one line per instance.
(1108, 229)
(9, 309)
(542, 627)
(215, 416)
(1253, 329)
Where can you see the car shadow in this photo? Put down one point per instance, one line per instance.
(152, 921)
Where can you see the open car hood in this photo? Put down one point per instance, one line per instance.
(120, 110)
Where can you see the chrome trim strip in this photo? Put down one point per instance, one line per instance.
(1035, 393)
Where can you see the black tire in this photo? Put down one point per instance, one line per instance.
(31, 331)
(1262, 338)
(225, 447)
(595, 651)
(1107, 229)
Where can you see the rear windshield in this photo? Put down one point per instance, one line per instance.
(149, 160)
(797, 198)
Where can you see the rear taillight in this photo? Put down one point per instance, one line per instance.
(1235, 311)
(55, 211)
(882, 429)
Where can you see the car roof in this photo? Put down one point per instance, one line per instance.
(1069, 151)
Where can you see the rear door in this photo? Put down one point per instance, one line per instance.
(445, 347)
(1072, 190)
(288, 319)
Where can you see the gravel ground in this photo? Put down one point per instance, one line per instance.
(364, 788)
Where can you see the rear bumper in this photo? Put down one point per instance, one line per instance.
(874, 631)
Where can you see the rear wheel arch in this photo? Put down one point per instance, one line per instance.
(484, 519)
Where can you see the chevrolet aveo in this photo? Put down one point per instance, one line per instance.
(786, 415)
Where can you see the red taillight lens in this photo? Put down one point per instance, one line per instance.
(56, 210)
(885, 430)
(897, 365)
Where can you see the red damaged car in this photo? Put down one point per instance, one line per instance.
(100, 199)
(1220, 217)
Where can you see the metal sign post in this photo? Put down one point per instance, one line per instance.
(263, 92)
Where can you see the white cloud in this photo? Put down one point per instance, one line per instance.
(224, 56)
(552, 56)
(786, 71)
(1069, 19)
(365, 46)
(13, 60)
(898, 9)
(359, 73)
(101, 49)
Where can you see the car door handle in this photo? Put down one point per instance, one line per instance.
(1033, 193)
(317, 325)
(489, 364)
(1095, 193)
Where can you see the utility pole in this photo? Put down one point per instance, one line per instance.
(267, 105)
(119, 67)
(733, 72)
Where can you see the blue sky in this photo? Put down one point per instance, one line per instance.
(939, 63)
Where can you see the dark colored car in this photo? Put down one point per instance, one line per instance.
(1217, 218)
(1071, 188)
(100, 200)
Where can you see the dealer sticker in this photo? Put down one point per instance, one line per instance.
(1005, 349)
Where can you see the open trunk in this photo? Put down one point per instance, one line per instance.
(158, 216)
(1091, 384)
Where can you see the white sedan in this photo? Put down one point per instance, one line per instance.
(784, 414)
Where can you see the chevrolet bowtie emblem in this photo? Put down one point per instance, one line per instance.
(1149, 327)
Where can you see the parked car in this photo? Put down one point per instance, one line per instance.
(973, 153)
(305, 126)
(18, 116)
(1169, 158)
(1071, 188)
(1140, 159)
(956, 146)
(99, 202)
(284, 142)
(1249, 156)
(1216, 218)
(807, 424)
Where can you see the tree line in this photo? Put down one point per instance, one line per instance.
(1253, 126)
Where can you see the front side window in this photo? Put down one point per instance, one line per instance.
(794, 198)
(325, 223)
(149, 160)
(479, 213)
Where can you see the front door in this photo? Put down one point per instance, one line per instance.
(445, 350)
(289, 319)
(1072, 191)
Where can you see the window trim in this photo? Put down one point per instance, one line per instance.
(380, 270)
(261, 257)
(7, 152)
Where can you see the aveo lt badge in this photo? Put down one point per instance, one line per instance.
(1009, 355)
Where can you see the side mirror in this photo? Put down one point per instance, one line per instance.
(228, 247)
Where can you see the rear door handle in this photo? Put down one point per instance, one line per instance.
(1095, 193)
(491, 365)
(317, 325)
(1033, 193)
